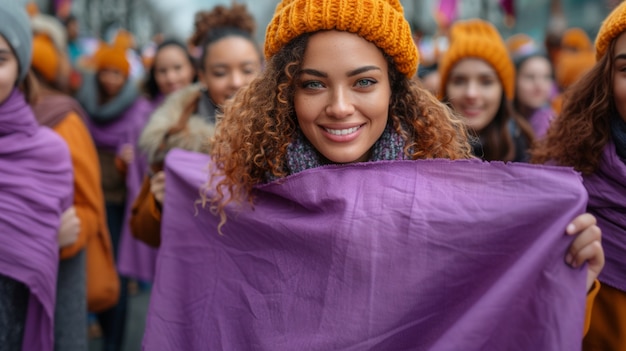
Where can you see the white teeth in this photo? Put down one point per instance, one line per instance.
(342, 131)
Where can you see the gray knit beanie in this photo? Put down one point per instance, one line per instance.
(15, 28)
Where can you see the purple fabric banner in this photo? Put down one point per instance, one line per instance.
(396, 255)
(607, 201)
(36, 186)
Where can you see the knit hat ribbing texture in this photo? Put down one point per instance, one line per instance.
(479, 39)
(15, 29)
(381, 22)
(612, 26)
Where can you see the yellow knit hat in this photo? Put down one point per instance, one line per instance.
(476, 38)
(611, 28)
(381, 22)
(576, 39)
(45, 57)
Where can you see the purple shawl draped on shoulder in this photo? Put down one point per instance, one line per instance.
(607, 201)
(392, 255)
(36, 186)
(135, 258)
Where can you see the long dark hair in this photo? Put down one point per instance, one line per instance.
(577, 137)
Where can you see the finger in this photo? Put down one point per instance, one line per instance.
(593, 254)
(583, 221)
(587, 237)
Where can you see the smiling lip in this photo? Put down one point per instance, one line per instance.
(471, 112)
(342, 135)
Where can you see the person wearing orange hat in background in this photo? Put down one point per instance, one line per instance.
(125, 40)
(590, 135)
(534, 82)
(230, 60)
(575, 58)
(116, 117)
(56, 110)
(478, 82)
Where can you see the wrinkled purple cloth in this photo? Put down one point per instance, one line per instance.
(540, 121)
(391, 255)
(135, 258)
(36, 186)
(607, 201)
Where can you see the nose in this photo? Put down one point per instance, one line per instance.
(340, 104)
(236, 80)
(471, 91)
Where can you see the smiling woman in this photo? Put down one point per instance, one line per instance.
(341, 105)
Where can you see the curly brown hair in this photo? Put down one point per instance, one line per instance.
(221, 16)
(252, 136)
(578, 135)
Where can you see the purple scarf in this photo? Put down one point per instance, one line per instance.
(540, 121)
(607, 201)
(390, 255)
(124, 129)
(136, 259)
(35, 188)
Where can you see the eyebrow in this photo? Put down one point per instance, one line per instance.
(352, 73)
(620, 57)
(225, 65)
(5, 51)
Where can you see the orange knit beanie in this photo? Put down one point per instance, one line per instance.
(381, 22)
(576, 39)
(520, 44)
(45, 57)
(572, 66)
(111, 57)
(611, 28)
(479, 39)
(124, 39)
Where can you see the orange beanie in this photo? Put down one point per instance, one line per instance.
(32, 8)
(479, 39)
(381, 22)
(520, 44)
(111, 57)
(572, 66)
(611, 28)
(124, 39)
(576, 39)
(45, 57)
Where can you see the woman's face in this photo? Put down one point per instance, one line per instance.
(619, 75)
(342, 99)
(172, 69)
(534, 82)
(231, 63)
(475, 92)
(9, 70)
(111, 81)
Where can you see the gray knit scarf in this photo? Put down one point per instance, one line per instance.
(301, 154)
(618, 133)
